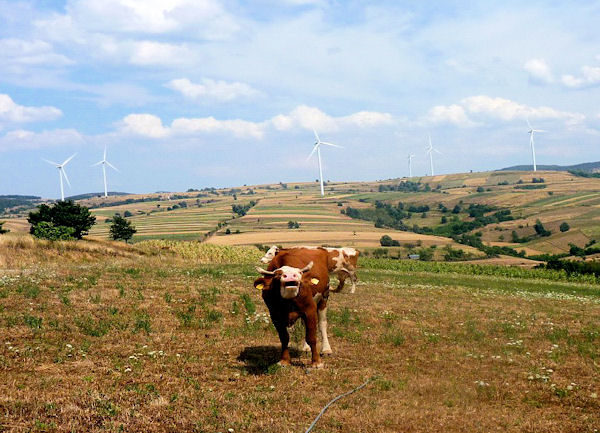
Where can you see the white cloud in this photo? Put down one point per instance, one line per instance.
(239, 128)
(454, 114)
(30, 53)
(205, 19)
(149, 125)
(212, 90)
(149, 53)
(539, 71)
(12, 112)
(146, 125)
(505, 109)
(23, 139)
(590, 76)
(307, 117)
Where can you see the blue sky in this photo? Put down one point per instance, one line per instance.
(195, 93)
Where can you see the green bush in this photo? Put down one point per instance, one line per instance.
(47, 230)
(121, 229)
(63, 214)
(2, 230)
(387, 241)
(565, 227)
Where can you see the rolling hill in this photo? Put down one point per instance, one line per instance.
(470, 211)
(589, 167)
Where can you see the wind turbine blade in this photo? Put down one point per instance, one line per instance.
(528, 124)
(111, 166)
(313, 151)
(539, 130)
(331, 144)
(316, 135)
(98, 163)
(64, 173)
(50, 162)
(104, 159)
(68, 159)
(435, 150)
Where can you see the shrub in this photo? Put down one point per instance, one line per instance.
(293, 225)
(564, 227)
(47, 230)
(121, 229)
(65, 214)
(2, 230)
(540, 229)
(387, 241)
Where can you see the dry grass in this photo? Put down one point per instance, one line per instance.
(157, 343)
(18, 250)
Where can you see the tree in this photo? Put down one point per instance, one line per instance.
(63, 214)
(293, 225)
(540, 229)
(127, 214)
(121, 229)
(2, 230)
(564, 227)
(387, 241)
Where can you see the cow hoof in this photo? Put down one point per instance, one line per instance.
(316, 365)
(283, 363)
(327, 351)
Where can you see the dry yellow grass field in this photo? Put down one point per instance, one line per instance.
(132, 341)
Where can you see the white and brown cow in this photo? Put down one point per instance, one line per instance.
(341, 261)
(296, 286)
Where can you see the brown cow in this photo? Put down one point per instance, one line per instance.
(296, 285)
(341, 261)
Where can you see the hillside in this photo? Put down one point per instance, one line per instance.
(493, 209)
(589, 167)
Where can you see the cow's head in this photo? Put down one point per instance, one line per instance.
(270, 254)
(289, 278)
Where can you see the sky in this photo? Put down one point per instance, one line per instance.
(198, 93)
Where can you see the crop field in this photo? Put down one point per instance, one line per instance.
(556, 197)
(168, 336)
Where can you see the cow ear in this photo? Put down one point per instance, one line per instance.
(261, 283)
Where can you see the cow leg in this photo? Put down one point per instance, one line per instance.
(310, 321)
(341, 276)
(325, 347)
(354, 279)
(284, 337)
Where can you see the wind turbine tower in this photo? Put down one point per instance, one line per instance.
(317, 148)
(104, 163)
(62, 173)
(410, 157)
(531, 143)
(430, 151)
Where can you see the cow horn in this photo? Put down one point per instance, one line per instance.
(262, 271)
(307, 267)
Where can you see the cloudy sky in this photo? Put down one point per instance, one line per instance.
(196, 93)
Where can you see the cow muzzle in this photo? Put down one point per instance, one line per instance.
(290, 289)
(290, 283)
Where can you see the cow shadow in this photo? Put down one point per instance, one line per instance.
(260, 360)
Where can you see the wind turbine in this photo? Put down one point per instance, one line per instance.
(61, 173)
(531, 132)
(410, 157)
(317, 148)
(430, 151)
(104, 163)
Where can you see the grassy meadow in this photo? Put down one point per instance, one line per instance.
(171, 336)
